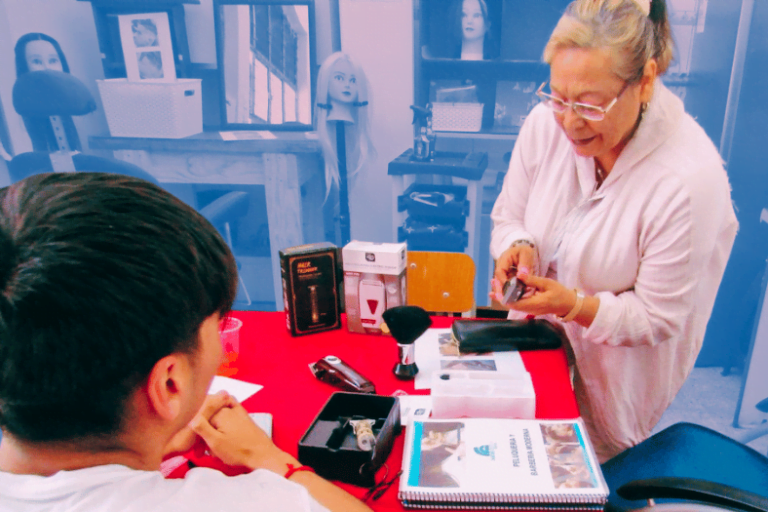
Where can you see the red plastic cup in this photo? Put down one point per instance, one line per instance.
(229, 333)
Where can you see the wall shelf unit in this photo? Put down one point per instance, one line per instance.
(505, 83)
(506, 80)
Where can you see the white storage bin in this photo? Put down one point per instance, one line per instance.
(164, 110)
(464, 394)
(457, 117)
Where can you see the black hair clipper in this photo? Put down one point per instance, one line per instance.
(512, 291)
(336, 372)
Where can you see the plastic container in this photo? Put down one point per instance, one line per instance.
(466, 394)
(229, 332)
(163, 110)
(457, 117)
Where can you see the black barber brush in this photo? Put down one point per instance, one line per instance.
(406, 323)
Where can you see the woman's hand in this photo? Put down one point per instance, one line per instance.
(549, 297)
(519, 260)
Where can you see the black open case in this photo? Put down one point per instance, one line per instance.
(330, 447)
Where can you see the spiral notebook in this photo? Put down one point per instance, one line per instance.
(500, 464)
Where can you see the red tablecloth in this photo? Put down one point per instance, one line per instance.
(270, 356)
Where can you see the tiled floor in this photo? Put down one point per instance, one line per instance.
(708, 398)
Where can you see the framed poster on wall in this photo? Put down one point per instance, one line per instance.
(147, 47)
(106, 15)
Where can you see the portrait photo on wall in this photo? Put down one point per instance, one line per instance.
(461, 29)
(147, 47)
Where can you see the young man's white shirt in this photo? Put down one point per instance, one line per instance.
(119, 488)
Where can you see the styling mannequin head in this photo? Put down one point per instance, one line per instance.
(472, 28)
(39, 52)
(474, 14)
(342, 91)
(342, 95)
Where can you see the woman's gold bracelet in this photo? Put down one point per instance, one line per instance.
(576, 307)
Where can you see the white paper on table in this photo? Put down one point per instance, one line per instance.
(429, 359)
(263, 420)
(239, 389)
(414, 407)
(228, 135)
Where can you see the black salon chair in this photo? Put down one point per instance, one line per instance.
(41, 94)
(43, 98)
(36, 162)
(688, 467)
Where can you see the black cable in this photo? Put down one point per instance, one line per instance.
(378, 490)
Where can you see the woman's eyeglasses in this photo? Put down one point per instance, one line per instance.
(583, 110)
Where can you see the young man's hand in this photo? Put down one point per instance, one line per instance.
(185, 439)
(233, 437)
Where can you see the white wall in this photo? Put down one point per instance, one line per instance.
(379, 35)
(69, 22)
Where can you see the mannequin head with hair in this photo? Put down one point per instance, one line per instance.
(343, 96)
(40, 52)
(36, 51)
(471, 30)
(472, 23)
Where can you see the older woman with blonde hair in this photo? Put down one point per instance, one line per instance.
(616, 213)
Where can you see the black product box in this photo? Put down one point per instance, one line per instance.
(425, 236)
(330, 447)
(435, 203)
(310, 275)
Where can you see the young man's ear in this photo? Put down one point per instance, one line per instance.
(164, 386)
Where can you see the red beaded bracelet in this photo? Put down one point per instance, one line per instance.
(292, 469)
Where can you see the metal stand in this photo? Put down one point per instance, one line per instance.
(341, 155)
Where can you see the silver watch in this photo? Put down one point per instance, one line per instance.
(522, 241)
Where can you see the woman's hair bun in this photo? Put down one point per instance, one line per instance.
(658, 12)
(8, 258)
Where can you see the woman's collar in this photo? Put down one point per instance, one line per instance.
(662, 117)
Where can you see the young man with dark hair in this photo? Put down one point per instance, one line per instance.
(111, 293)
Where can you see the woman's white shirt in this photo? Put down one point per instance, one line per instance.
(651, 243)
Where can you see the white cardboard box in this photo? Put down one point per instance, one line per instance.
(473, 394)
(165, 110)
(374, 281)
